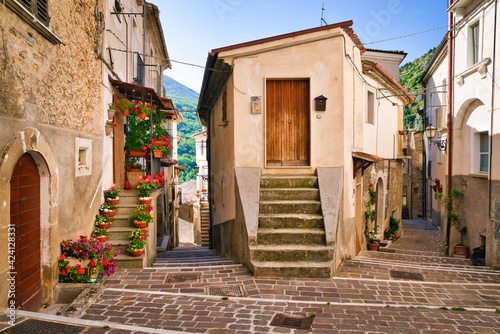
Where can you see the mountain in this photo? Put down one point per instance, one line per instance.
(185, 99)
(410, 75)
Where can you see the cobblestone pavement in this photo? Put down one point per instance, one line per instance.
(405, 289)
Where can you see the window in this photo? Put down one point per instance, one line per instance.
(370, 108)
(483, 152)
(224, 108)
(83, 157)
(39, 8)
(473, 44)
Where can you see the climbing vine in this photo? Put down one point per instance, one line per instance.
(371, 229)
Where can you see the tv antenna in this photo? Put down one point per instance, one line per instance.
(322, 12)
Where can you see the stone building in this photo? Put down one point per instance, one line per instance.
(55, 159)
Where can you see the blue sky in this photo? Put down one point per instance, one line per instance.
(193, 28)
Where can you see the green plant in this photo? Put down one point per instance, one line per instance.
(137, 233)
(162, 144)
(451, 206)
(312, 315)
(225, 298)
(100, 232)
(443, 308)
(142, 214)
(394, 224)
(112, 193)
(133, 163)
(111, 123)
(387, 232)
(118, 6)
(148, 184)
(105, 219)
(105, 207)
(458, 309)
(136, 245)
(371, 228)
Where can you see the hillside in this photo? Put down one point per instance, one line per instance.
(410, 75)
(185, 99)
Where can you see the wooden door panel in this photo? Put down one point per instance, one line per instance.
(274, 123)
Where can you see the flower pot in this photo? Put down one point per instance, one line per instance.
(145, 200)
(157, 153)
(142, 115)
(140, 224)
(133, 178)
(126, 112)
(104, 225)
(108, 129)
(461, 250)
(113, 200)
(111, 113)
(102, 238)
(134, 170)
(137, 153)
(136, 253)
(440, 190)
(108, 213)
(373, 247)
(393, 237)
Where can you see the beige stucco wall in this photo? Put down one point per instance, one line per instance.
(51, 95)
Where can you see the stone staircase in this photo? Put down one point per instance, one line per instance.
(119, 230)
(291, 234)
(205, 226)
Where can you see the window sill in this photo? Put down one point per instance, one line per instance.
(477, 67)
(479, 175)
(35, 23)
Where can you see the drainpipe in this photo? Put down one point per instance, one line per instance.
(450, 124)
(144, 38)
(492, 112)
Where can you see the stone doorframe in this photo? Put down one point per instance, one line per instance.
(31, 141)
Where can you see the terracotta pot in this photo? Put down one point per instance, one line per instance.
(134, 170)
(133, 178)
(102, 238)
(111, 113)
(142, 115)
(126, 112)
(137, 153)
(140, 224)
(157, 153)
(108, 213)
(461, 250)
(113, 200)
(136, 253)
(105, 225)
(393, 237)
(109, 129)
(142, 238)
(146, 200)
(373, 247)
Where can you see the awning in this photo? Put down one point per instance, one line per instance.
(137, 92)
(362, 161)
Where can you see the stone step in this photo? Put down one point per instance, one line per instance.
(119, 233)
(289, 194)
(129, 197)
(301, 269)
(289, 181)
(126, 209)
(291, 220)
(298, 207)
(126, 261)
(122, 221)
(294, 236)
(289, 253)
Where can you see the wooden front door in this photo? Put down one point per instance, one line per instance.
(25, 218)
(287, 123)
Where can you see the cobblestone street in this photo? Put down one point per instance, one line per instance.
(410, 287)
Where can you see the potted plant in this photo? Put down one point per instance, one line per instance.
(108, 209)
(147, 185)
(109, 127)
(394, 224)
(388, 233)
(118, 6)
(141, 216)
(451, 206)
(103, 221)
(138, 233)
(133, 165)
(136, 247)
(160, 147)
(100, 234)
(371, 228)
(112, 195)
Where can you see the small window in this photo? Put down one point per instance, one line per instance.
(39, 8)
(224, 107)
(483, 152)
(370, 108)
(473, 44)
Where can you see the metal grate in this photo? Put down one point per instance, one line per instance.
(281, 320)
(228, 290)
(32, 326)
(182, 277)
(406, 275)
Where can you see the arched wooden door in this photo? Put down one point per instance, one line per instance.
(25, 218)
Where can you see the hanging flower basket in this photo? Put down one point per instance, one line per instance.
(126, 112)
(111, 113)
(157, 153)
(142, 115)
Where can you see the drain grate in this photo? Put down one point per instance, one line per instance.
(287, 321)
(227, 290)
(406, 275)
(182, 277)
(32, 326)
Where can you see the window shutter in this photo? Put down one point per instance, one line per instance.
(42, 11)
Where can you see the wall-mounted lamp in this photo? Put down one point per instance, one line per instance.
(430, 132)
(197, 170)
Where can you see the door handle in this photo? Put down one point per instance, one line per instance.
(290, 121)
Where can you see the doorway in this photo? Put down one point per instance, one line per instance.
(287, 122)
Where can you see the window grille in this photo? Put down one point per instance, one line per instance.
(39, 8)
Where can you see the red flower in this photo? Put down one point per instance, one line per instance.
(81, 271)
(62, 257)
(63, 272)
(105, 263)
(371, 184)
(92, 264)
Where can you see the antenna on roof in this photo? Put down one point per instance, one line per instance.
(322, 11)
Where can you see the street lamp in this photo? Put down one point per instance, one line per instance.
(197, 170)
(430, 132)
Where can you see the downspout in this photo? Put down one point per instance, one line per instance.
(209, 183)
(492, 113)
(424, 160)
(144, 39)
(450, 125)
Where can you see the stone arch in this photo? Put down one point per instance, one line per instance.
(31, 141)
(464, 111)
(379, 203)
